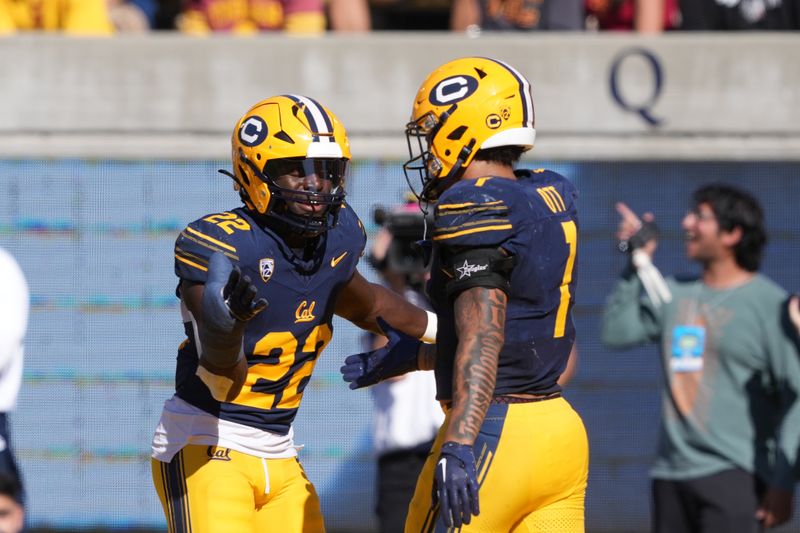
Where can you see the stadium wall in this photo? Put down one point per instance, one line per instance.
(698, 96)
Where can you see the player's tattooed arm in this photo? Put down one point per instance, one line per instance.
(480, 316)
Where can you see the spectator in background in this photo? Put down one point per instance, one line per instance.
(73, 17)
(14, 304)
(411, 15)
(132, 16)
(705, 15)
(730, 425)
(12, 514)
(520, 15)
(166, 14)
(407, 415)
(251, 16)
(349, 15)
(643, 16)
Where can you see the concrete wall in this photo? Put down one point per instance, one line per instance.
(700, 96)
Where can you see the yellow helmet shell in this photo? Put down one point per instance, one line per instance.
(280, 127)
(470, 104)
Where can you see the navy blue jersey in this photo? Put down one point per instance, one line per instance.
(534, 219)
(283, 342)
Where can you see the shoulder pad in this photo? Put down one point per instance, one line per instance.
(352, 229)
(557, 192)
(474, 213)
(201, 238)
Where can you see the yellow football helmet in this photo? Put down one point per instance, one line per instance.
(464, 106)
(291, 135)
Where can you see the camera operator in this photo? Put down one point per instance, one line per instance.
(406, 415)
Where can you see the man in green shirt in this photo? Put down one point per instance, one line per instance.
(730, 425)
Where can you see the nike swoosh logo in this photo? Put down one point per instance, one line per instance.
(335, 260)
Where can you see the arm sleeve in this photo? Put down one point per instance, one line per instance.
(628, 318)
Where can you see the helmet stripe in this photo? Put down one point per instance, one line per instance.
(525, 92)
(317, 117)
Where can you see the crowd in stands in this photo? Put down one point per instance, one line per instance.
(200, 17)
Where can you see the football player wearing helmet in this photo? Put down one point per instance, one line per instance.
(512, 455)
(259, 286)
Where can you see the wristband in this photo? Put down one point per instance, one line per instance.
(429, 337)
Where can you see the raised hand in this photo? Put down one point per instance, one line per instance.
(634, 232)
(239, 294)
(397, 357)
(456, 484)
(229, 296)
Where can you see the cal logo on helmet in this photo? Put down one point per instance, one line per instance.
(253, 131)
(453, 89)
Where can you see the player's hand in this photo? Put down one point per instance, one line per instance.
(634, 232)
(397, 357)
(456, 484)
(794, 311)
(239, 294)
(229, 296)
(775, 507)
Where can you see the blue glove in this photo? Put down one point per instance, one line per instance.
(396, 358)
(228, 295)
(227, 306)
(456, 484)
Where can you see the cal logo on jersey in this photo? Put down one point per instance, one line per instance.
(266, 267)
(304, 312)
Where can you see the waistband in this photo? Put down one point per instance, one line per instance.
(528, 399)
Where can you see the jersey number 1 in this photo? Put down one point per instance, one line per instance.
(571, 236)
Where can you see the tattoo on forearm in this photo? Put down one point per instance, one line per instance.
(480, 316)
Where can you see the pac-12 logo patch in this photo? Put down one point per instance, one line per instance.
(266, 267)
(453, 89)
(253, 131)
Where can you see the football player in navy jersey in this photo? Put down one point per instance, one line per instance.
(259, 286)
(512, 455)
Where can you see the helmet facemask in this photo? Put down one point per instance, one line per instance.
(306, 194)
(424, 163)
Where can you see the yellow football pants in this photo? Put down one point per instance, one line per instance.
(532, 464)
(206, 489)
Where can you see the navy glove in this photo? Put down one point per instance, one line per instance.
(396, 358)
(455, 484)
(228, 295)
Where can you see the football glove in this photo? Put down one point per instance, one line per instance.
(397, 357)
(455, 485)
(228, 295)
(227, 306)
